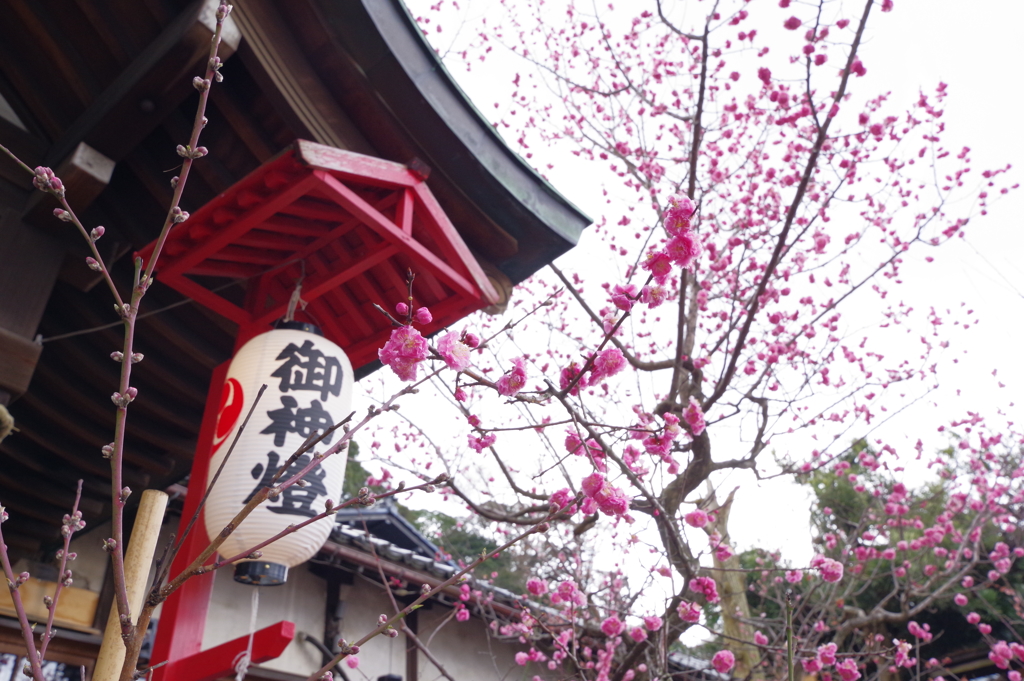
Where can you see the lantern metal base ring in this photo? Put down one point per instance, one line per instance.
(261, 573)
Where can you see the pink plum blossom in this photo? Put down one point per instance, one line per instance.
(403, 352)
(607, 363)
(454, 352)
(848, 670)
(482, 442)
(638, 634)
(694, 417)
(760, 639)
(537, 587)
(684, 249)
(423, 316)
(612, 626)
(723, 661)
(652, 622)
(511, 383)
(688, 612)
(697, 518)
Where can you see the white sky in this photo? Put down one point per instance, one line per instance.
(979, 52)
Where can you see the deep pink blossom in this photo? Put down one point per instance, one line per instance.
(567, 376)
(684, 249)
(760, 639)
(402, 309)
(652, 622)
(659, 264)
(697, 518)
(561, 498)
(706, 586)
(827, 653)
(482, 442)
(511, 383)
(831, 570)
(623, 297)
(723, 661)
(694, 417)
(607, 363)
(811, 665)
(848, 670)
(688, 612)
(570, 594)
(423, 316)
(612, 626)
(793, 23)
(462, 614)
(454, 352)
(537, 587)
(638, 634)
(403, 352)
(677, 215)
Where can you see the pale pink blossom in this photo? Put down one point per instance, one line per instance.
(462, 614)
(760, 639)
(652, 622)
(794, 576)
(638, 634)
(653, 296)
(352, 661)
(454, 352)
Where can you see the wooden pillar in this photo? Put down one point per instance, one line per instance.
(179, 633)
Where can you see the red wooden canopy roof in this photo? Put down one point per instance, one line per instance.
(345, 225)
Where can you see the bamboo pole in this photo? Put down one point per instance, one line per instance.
(145, 533)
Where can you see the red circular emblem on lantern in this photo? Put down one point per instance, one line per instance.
(231, 401)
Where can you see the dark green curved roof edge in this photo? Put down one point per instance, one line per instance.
(459, 141)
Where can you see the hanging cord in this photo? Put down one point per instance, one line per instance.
(296, 298)
(242, 660)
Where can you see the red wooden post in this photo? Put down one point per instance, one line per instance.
(183, 617)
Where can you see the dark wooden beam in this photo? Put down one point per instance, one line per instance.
(85, 173)
(18, 358)
(25, 146)
(152, 85)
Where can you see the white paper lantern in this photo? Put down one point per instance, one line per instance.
(309, 388)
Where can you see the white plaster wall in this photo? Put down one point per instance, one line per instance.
(364, 602)
(467, 651)
(90, 567)
(301, 599)
(464, 648)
